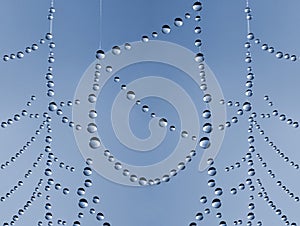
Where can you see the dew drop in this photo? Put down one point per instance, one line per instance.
(212, 171)
(92, 128)
(20, 55)
(145, 108)
(178, 22)
(163, 122)
(199, 57)
(207, 128)
(203, 199)
(279, 55)
(87, 171)
(83, 203)
(116, 50)
(52, 106)
(94, 142)
(96, 199)
(206, 114)
(199, 216)
(216, 203)
(130, 95)
(207, 98)
(100, 216)
(127, 46)
(100, 54)
(166, 29)
(197, 6)
(93, 114)
(204, 142)
(184, 134)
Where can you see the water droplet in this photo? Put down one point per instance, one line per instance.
(109, 69)
(145, 38)
(83, 203)
(216, 203)
(20, 55)
(34, 47)
(204, 142)
(163, 122)
(212, 171)
(199, 57)
(116, 50)
(48, 172)
(143, 181)
(250, 36)
(94, 142)
(233, 191)
(178, 22)
(52, 106)
(130, 95)
(282, 117)
(197, 30)
(49, 36)
(127, 46)
(154, 34)
(87, 171)
(203, 199)
(100, 216)
(96, 199)
(211, 183)
(197, 6)
(198, 42)
(145, 108)
(207, 128)
(184, 134)
(207, 98)
(100, 54)
(199, 216)
(218, 191)
(48, 216)
(251, 216)
(88, 183)
(80, 191)
(92, 128)
(133, 178)
(206, 114)
(293, 58)
(166, 29)
(251, 172)
(172, 128)
(93, 114)
(279, 55)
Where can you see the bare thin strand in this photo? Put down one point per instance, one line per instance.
(51, 21)
(100, 24)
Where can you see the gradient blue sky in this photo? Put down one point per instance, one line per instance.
(76, 34)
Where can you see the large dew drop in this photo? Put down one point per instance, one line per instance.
(83, 203)
(204, 142)
(216, 203)
(130, 95)
(94, 142)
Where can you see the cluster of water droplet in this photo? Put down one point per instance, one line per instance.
(216, 203)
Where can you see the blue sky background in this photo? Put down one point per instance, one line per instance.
(76, 34)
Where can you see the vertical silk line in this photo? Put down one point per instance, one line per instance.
(100, 25)
(51, 21)
(248, 21)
